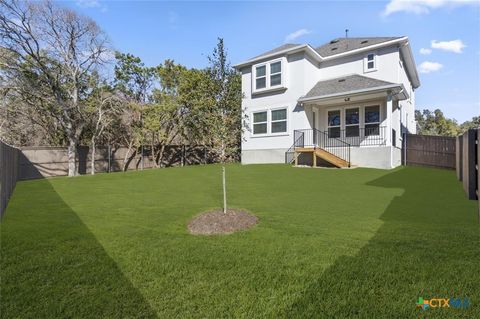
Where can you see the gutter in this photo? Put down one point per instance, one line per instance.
(354, 92)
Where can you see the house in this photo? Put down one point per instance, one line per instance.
(345, 103)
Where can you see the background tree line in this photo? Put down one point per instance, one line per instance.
(54, 88)
(435, 123)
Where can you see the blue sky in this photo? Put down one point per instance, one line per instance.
(444, 35)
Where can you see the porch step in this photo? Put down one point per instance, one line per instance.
(323, 154)
(332, 159)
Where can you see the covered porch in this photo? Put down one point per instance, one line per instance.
(349, 113)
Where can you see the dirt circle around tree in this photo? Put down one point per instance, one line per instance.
(216, 222)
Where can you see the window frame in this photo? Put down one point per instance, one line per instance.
(339, 110)
(365, 123)
(366, 69)
(268, 74)
(263, 122)
(351, 125)
(259, 77)
(269, 122)
(276, 73)
(276, 121)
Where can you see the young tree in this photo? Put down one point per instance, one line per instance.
(223, 117)
(105, 105)
(51, 53)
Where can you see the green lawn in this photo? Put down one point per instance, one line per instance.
(359, 243)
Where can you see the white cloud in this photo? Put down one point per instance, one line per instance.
(455, 46)
(294, 35)
(427, 67)
(422, 6)
(425, 51)
(91, 4)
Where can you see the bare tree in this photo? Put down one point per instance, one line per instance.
(106, 107)
(51, 52)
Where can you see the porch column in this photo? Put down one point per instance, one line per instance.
(388, 120)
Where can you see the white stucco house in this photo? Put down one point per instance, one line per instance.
(345, 103)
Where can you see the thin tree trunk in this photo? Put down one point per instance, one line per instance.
(224, 190)
(92, 160)
(71, 153)
(125, 159)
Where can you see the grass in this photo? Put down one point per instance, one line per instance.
(359, 243)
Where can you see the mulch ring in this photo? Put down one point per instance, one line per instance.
(216, 222)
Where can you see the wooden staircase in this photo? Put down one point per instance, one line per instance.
(323, 154)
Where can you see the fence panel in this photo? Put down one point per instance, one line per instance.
(8, 173)
(469, 171)
(430, 151)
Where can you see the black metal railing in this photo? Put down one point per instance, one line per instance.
(316, 138)
(298, 138)
(360, 136)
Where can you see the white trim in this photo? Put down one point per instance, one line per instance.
(360, 91)
(268, 87)
(366, 61)
(263, 122)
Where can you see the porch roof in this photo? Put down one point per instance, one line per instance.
(351, 85)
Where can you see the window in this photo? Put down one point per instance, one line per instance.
(276, 73)
(394, 138)
(268, 75)
(370, 62)
(372, 120)
(260, 77)
(352, 122)
(279, 121)
(334, 124)
(270, 122)
(260, 123)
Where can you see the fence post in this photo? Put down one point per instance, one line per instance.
(109, 158)
(469, 169)
(459, 157)
(141, 157)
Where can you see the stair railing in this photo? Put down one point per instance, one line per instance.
(299, 141)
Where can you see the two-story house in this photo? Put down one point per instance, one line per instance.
(345, 103)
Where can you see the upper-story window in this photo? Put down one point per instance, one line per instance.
(261, 77)
(370, 62)
(276, 73)
(268, 75)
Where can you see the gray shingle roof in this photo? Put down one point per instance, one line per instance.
(344, 84)
(278, 49)
(341, 45)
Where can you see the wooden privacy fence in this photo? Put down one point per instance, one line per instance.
(431, 151)
(467, 159)
(8, 173)
(45, 161)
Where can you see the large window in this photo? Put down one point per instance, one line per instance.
(260, 77)
(352, 122)
(372, 120)
(270, 122)
(268, 76)
(279, 121)
(370, 62)
(260, 123)
(334, 123)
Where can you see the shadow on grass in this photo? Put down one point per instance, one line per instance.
(427, 247)
(53, 267)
